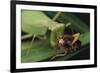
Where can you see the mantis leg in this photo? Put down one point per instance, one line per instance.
(28, 51)
(76, 37)
(26, 36)
(42, 37)
(59, 55)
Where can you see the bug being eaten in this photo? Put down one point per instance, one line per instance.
(68, 42)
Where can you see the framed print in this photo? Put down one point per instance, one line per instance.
(52, 36)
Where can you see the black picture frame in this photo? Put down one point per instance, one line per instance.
(13, 35)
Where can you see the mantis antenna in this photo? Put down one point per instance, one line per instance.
(56, 16)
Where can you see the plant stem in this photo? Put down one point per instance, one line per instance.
(56, 16)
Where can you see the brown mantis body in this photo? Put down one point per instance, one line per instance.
(68, 42)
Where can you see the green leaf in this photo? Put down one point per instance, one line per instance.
(85, 38)
(41, 50)
(46, 51)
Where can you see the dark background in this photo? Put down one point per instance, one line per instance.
(85, 54)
